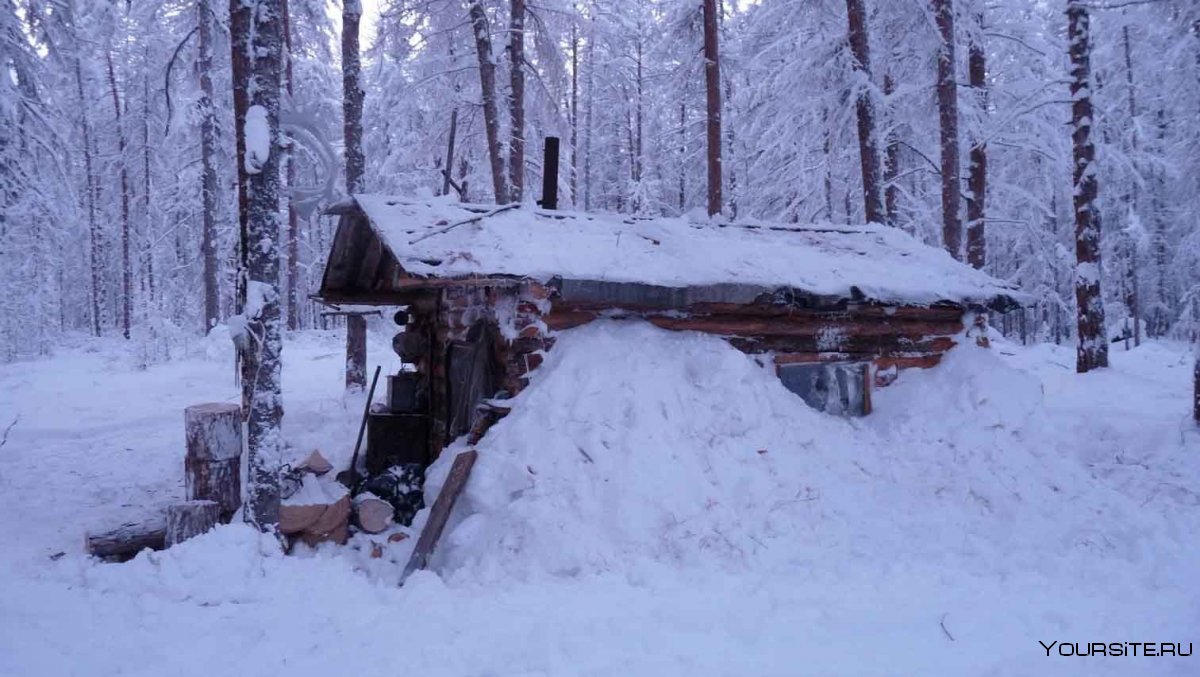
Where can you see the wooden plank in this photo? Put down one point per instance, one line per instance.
(440, 513)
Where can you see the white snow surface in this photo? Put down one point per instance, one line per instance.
(664, 510)
(886, 264)
(258, 139)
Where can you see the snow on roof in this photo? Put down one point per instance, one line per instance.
(884, 263)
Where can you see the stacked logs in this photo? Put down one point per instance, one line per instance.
(212, 487)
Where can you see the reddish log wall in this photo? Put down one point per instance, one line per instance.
(892, 338)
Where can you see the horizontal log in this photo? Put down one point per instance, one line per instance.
(910, 362)
(933, 313)
(127, 540)
(748, 326)
(866, 346)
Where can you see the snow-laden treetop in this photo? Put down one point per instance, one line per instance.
(884, 264)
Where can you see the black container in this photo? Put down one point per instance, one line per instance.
(405, 394)
(396, 439)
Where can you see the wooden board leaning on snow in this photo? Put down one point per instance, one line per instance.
(885, 264)
(460, 471)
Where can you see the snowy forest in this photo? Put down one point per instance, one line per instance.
(951, 120)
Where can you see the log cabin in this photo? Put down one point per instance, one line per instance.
(837, 310)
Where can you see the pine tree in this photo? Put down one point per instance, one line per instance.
(947, 97)
(865, 108)
(1092, 350)
(712, 88)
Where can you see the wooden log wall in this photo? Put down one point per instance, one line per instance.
(527, 315)
(890, 337)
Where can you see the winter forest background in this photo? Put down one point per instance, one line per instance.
(118, 181)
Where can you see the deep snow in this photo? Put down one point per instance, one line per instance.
(665, 510)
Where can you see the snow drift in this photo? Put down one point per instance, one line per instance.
(634, 443)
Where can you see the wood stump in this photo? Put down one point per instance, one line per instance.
(212, 466)
(190, 518)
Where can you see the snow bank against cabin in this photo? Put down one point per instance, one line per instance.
(884, 263)
(635, 444)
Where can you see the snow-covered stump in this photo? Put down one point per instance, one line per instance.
(190, 518)
(212, 466)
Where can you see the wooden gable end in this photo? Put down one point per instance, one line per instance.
(360, 266)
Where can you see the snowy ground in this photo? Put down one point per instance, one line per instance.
(669, 511)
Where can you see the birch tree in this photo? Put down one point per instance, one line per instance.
(256, 32)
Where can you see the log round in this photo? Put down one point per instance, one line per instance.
(190, 518)
(212, 466)
(372, 514)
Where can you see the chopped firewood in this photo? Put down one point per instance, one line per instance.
(372, 514)
(315, 463)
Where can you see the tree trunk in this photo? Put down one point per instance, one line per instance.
(712, 88)
(1131, 263)
(188, 519)
(126, 263)
(446, 178)
(1092, 351)
(208, 181)
(587, 123)
(96, 243)
(352, 96)
(293, 231)
(262, 43)
(860, 49)
(891, 161)
(977, 169)
(516, 102)
(682, 157)
(947, 96)
(574, 115)
(147, 226)
(487, 86)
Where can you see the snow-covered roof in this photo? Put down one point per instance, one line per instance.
(445, 239)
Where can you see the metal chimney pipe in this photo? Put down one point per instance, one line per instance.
(550, 174)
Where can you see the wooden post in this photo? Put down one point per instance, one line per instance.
(1196, 389)
(356, 351)
(212, 466)
(440, 513)
(550, 174)
(190, 518)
